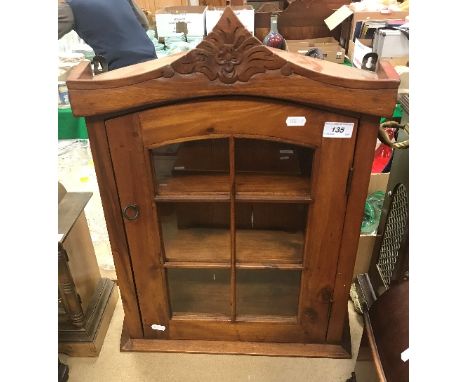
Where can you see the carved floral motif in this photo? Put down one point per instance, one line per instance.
(229, 53)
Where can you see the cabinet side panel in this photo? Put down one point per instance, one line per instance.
(332, 163)
(364, 156)
(115, 228)
(135, 185)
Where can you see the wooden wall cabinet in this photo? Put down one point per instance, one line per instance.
(233, 217)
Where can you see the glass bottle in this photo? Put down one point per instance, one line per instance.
(273, 38)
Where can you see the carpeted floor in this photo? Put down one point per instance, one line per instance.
(115, 366)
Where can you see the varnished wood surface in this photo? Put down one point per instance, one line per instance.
(82, 260)
(269, 247)
(256, 71)
(88, 343)
(332, 163)
(234, 347)
(197, 245)
(249, 118)
(112, 212)
(272, 188)
(194, 187)
(259, 247)
(133, 175)
(232, 87)
(69, 209)
(362, 164)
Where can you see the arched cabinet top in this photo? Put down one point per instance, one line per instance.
(232, 62)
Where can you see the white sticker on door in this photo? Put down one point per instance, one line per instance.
(295, 121)
(338, 129)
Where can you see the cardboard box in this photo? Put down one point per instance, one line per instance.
(378, 182)
(348, 19)
(245, 13)
(358, 50)
(187, 19)
(331, 49)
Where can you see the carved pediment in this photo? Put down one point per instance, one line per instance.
(229, 53)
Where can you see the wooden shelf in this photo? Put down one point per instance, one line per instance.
(194, 188)
(265, 248)
(198, 245)
(281, 188)
(256, 249)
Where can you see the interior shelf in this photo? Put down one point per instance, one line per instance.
(198, 245)
(269, 247)
(194, 188)
(272, 188)
(210, 248)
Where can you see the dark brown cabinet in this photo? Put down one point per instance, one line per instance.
(233, 180)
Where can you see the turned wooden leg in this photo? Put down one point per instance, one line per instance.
(67, 290)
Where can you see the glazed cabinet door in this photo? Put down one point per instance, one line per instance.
(233, 212)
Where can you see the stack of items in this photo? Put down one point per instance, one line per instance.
(378, 27)
(182, 28)
(326, 48)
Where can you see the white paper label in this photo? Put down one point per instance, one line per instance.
(295, 121)
(338, 129)
(158, 327)
(405, 355)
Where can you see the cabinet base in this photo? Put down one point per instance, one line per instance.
(342, 350)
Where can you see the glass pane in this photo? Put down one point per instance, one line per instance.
(199, 290)
(195, 232)
(192, 167)
(267, 292)
(269, 233)
(268, 157)
(272, 170)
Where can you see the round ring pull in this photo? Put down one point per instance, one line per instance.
(131, 212)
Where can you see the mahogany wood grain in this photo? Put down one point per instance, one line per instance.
(326, 217)
(269, 247)
(197, 245)
(261, 247)
(362, 165)
(273, 188)
(115, 228)
(239, 116)
(194, 188)
(232, 87)
(258, 331)
(254, 70)
(214, 265)
(233, 347)
(232, 224)
(135, 186)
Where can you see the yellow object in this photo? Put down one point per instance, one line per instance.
(405, 5)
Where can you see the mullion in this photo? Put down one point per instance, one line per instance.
(233, 226)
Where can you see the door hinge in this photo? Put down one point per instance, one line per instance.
(349, 180)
